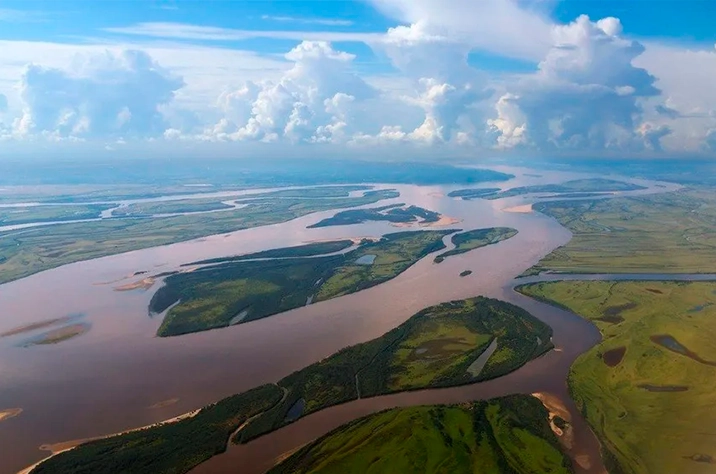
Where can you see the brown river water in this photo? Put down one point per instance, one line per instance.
(105, 381)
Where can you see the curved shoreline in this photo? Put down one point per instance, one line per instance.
(536, 376)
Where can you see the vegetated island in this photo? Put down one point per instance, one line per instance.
(455, 343)
(148, 209)
(28, 251)
(665, 233)
(647, 389)
(466, 273)
(589, 185)
(308, 250)
(240, 291)
(473, 239)
(395, 213)
(27, 214)
(470, 194)
(506, 435)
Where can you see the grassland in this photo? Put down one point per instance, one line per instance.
(665, 233)
(589, 185)
(171, 448)
(473, 239)
(237, 292)
(148, 209)
(453, 336)
(28, 214)
(396, 213)
(434, 348)
(29, 251)
(503, 435)
(470, 194)
(648, 388)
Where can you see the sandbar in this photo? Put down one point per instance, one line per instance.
(9, 413)
(523, 209)
(34, 326)
(164, 403)
(58, 335)
(143, 284)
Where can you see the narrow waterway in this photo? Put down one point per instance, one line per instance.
(117, 375)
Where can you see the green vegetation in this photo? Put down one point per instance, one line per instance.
(647, 389)
(502, 435)
(396, 213)
(308, 250)
(29, 251)
(237, 292)
(172, 448)
(437, 347)
(148, 209)
(28, 214)
(590, 185)
(666, 233)
(469, 194)
(473, 239)
(434, 348)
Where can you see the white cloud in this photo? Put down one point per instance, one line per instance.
(500, 26)
(102, 95)
(586, 95)
(307, 21)
(308, 104)
(211, 33)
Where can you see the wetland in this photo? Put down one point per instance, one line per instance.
(192, 369)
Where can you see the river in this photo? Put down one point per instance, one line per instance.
(106, 380)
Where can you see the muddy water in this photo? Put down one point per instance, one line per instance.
(106, 380)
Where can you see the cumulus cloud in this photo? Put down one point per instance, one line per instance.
(102, 95)
(308, 104)
(586, 94)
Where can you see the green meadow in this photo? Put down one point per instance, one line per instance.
(648, 389)
(502, 435)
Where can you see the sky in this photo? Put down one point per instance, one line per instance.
(478, 78)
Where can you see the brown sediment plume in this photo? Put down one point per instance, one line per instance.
(443, 221)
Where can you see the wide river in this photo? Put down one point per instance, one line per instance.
(109, 379)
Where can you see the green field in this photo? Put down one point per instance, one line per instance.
(473, 239)
(148, 209)
(453, 335)
(396, 213)
(589, 185)
(169, 449)
(307, 250)
(28, 251)
(502, 435)
(28, 214)
(238, 292)
(665, 233)
(438, 347)
(648, 388)
(470, 194)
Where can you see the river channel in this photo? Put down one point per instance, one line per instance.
(117, 376)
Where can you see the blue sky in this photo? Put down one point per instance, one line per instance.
(465, 76)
